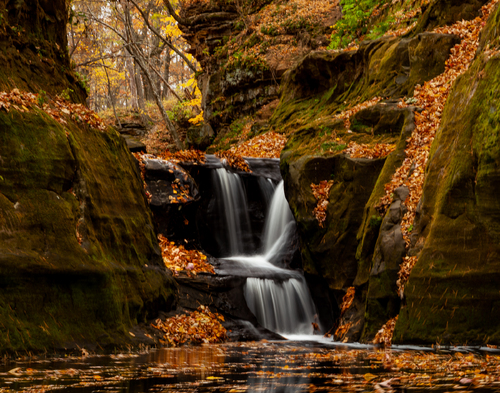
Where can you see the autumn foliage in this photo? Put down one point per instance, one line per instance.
(321, 192)
(60, 109)
(193, 156)
(234, 160)
(379, 150)
(384, 335)
(177, 259)
(268, 145)
(197, 327)
(344, 326)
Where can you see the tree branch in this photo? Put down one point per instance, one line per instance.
(179, 20)
(165, 41)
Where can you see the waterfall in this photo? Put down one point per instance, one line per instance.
(279, 298)
(279, 223)
(233, 210)
(283, 307)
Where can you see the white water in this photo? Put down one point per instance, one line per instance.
(281, 307)
(279, 298)
(279, 223)
(234, 209)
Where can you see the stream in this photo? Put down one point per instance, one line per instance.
(290, 366)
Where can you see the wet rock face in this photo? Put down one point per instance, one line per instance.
(174, 199)
(452, 294)
(327, 250)
(77, 241)
(382, 299)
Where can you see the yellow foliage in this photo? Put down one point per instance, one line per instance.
(197, 120)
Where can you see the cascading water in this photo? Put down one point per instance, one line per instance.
(233, 210)
(278, 297)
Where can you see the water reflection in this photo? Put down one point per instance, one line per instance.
(275, 380)
(256, 367)
(200, 362)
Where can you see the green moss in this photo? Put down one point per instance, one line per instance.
(66, 293)
(457, 269)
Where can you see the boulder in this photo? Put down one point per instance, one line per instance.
(79, 259)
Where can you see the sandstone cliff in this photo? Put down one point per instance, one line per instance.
(79, 259)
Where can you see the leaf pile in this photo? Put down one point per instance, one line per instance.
(233, 160)
(384, 335)
(344, 327)
(347, 300)
(181, 192)
(404, 273)
(177, 258)
(321, 192)
(379, 150)
(197, 327)
(268, 145)
(59, 109)
(194, 156)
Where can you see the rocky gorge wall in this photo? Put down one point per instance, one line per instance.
(452, 295)
(358, 247)
(361, 244)
(243, 54)
(79, 259)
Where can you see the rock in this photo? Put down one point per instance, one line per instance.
(452, 295)
(79, 259)
(224, 294)
(133, 129)
(174, 199)
(382, 300)
(77, 241)
(342, 252)
(446, 12)
(134, 144)
(388, 67)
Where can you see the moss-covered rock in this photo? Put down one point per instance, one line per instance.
(33, 48)
(446, 12)
(452, 295)
(79, 260)
(328, 82)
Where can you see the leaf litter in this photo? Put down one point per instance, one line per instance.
(321, 192)
(259, 366)
(431, 98)
(196, 327)
(177, 258)
(60, 109)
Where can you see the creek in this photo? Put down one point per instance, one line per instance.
(285, 366)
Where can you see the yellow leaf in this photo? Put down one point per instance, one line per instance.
(369, 377)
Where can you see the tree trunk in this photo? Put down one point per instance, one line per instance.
(131, 81)
(166, 75)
